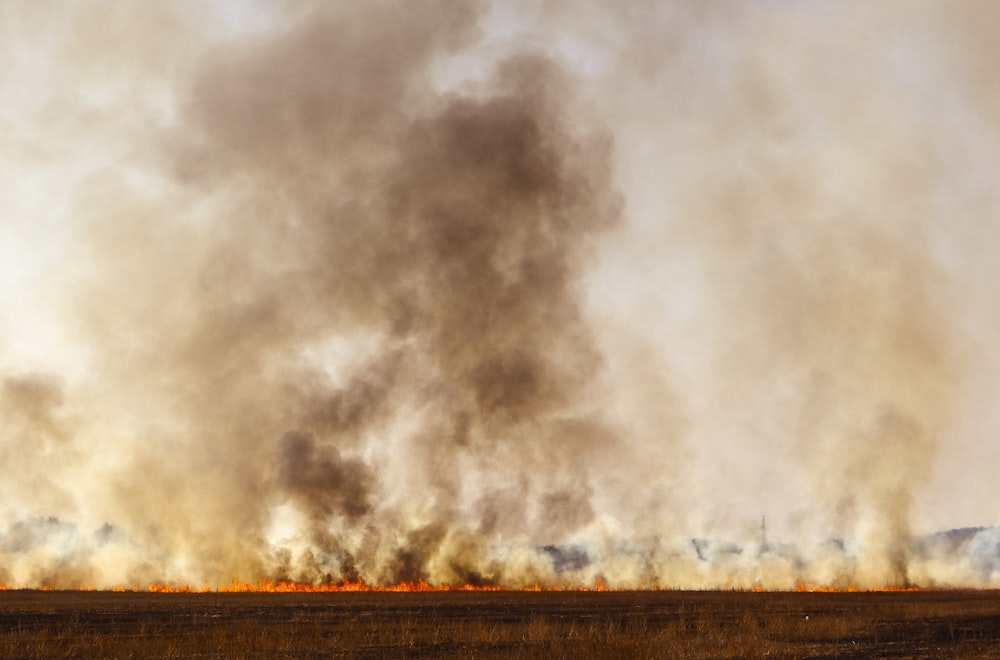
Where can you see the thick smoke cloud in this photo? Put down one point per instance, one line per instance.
(495, 295)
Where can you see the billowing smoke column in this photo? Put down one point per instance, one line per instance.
(342, 313)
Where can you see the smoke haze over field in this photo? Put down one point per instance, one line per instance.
(499, 293)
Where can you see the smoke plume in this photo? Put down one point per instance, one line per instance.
(495, 294)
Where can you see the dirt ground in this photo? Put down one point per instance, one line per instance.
(501, 624)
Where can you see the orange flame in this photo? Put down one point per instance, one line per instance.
(421, 585)
(288, 586)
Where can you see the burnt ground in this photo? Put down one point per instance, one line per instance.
(501, 624)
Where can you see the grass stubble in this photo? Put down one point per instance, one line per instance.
(67, 624)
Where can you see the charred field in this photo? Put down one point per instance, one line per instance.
(710, 624)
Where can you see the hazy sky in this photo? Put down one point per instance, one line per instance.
(756, 278)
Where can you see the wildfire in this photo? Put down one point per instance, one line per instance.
(421, 585)
(803, 587)
(850, 588)
(288, 586)
(345, 586)
(285, 586)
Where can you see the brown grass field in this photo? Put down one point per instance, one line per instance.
(68, 624)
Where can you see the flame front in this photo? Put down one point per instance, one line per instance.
(422, 586)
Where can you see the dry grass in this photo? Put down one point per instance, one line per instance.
(499, 625)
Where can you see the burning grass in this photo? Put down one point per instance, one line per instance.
(498, 624)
